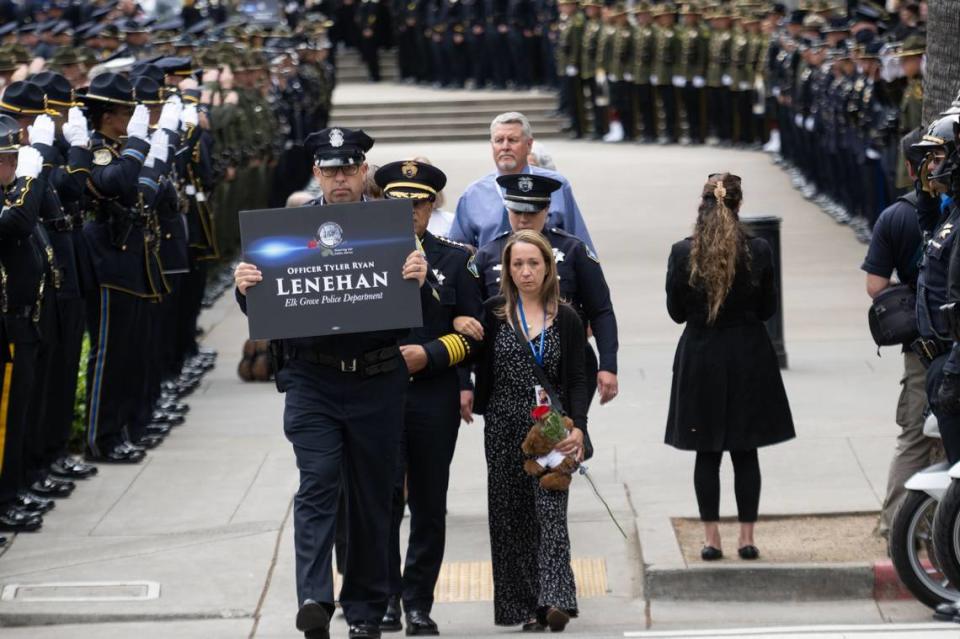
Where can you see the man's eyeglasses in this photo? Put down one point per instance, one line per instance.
(331, 171)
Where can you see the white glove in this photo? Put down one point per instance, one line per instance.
(75, 129)
(653, 78)
(873, 154)
(775, 91)
(744, 86)
(29, 162)
(798, 121)
(139, 121)
(42, 130)
(809, 123)
(159, 147)
(189, 117)
(170, 115)
(628, 77)
(571, 71)
(679, 81)
(699, 82)
(727, 80)
(601, 77)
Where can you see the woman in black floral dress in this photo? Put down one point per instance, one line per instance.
(530, 546)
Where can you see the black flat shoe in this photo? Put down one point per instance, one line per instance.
(15, 520)
(313, 620)
(749, 552)
(34, 503)
(419, 624)
(533, 626)
(119, 454)
(709, 553)
(51, 487)
(150, 440)
(365, 631)
(557, 619)
(72, 468)
(391, 618)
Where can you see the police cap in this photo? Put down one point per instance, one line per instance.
(410, 180)
(176, 65)
(109, 88)
(146, 90)
(526, 192)
(914, 45)
(23, 98)
(338, 146)
(57, 89)
(9, 134)
(148, 69)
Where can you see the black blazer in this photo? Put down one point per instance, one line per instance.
(573, 377)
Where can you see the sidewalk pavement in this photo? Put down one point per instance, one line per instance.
(206, 516)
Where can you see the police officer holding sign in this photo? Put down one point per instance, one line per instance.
(438, 395)
(343, 413)
(582, 283)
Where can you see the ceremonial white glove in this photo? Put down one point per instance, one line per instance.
(873, 154)
(699, 82)
(170, 115)
(744, 86)
(75, 130)
(139, 121)
(653, 78)
(798, 121)
(571, 71)
(159, 147)
(727, 80)
(189, 117)
(29, 162)
(42, 130)
(628, 77)
(679, 81)
(809, 123)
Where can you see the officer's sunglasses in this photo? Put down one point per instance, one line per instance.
(331, 171)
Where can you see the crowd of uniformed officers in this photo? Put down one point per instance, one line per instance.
(127, 145)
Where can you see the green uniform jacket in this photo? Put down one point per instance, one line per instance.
(643, 53)
(590, 49)
(667, 54)
(570, 43)
(718, 60)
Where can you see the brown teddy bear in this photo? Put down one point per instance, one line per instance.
(553, 468)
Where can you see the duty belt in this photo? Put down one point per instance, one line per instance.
(929, 349)
(369, 364)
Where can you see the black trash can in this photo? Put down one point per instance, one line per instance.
(768, 228)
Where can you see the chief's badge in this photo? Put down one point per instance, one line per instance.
(409, 169)
(336, 138)
(525, 184)
(102, 157)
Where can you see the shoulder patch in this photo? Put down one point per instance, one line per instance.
(591, 254)
(472, 266)
(102, 157)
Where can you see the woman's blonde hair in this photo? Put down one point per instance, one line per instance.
(549, 290)
(718, 240)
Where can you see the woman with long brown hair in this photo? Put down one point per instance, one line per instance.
(727, 393)
(527, 327)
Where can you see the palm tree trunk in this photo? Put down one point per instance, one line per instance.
(942, 79)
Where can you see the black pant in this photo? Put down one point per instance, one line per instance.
(621, 97)
(58, 421)
(370, 52)
(599, 111)
(337, 431)
(19, 377)
(667, 97)
(115, 374)
(648, 112)
(42, 397)
(693, 105)
(949, 424)
(746, 484)
(572, 103)
(720, 110)
(431, 424)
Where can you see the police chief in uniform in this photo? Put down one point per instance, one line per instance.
(582, 284)
(438, 394)
(343, 413)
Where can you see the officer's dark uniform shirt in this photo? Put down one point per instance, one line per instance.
(459, 295)
(22, 263)
(582, 284)
(120, 244)
(933, 278)
(897, 244)
(59, 230)
(70, 168)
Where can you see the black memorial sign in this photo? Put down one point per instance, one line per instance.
(330, 269)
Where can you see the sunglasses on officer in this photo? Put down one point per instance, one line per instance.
(348, 170)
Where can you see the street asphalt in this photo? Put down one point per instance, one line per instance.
(203, 525)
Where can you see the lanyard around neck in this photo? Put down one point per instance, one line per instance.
(538, 350)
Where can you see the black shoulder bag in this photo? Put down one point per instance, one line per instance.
(541, 376)
(893, 316)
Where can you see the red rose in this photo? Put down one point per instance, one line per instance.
(540, 412)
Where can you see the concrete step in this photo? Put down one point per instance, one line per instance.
(442, 135)
(441, 105)
(470, 120)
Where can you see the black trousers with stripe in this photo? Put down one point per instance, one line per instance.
(115, 374)
(19, 377)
